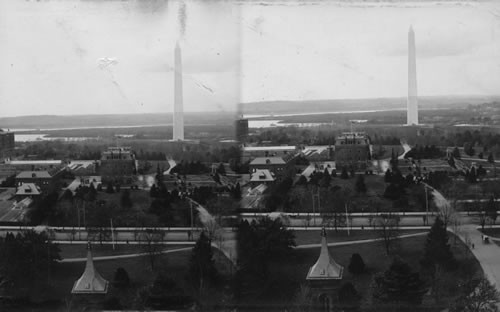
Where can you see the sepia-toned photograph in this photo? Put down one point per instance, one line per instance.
(250, 155)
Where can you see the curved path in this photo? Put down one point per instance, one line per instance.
(362, 241)
(127, 256)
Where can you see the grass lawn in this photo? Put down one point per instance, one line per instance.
(287, 276)
(314, 237)
(80, 250)
(495, 232)
(176, 265)
(140, 198)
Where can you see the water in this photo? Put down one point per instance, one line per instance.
(44, 137)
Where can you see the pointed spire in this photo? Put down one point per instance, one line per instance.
(325, 268)
(91, 282)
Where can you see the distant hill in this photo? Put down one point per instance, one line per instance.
(346, 105)
(112, 120)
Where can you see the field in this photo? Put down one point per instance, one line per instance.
(372, 200)
(286, 277)
(56, 295)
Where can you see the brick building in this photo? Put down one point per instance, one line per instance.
(352, 151)
(117, 163)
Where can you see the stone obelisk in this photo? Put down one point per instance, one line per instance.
(178, 105)
(412, 102)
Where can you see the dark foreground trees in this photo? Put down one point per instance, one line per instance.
(26, 257)
(438, 256)
(202, 269)
(399, 284)
(259, 244)
(477, 295)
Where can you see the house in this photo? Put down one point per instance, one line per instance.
(27, 190)
(275, 165)
(261, 176)
(42, 179)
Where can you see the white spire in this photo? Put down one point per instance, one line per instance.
(412, 101)
(178, 117)
(325, 268)
(91, 282)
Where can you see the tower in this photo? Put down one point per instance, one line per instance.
(178, 116)
(324, 278)
(91, 282)
(412, 102)
(325, 268)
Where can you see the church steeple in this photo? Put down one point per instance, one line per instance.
(91, 282)
(325, 268)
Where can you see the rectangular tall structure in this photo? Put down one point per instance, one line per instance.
(412, 102)
(178, 104)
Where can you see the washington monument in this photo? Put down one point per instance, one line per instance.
(178, 105)
(412, 102)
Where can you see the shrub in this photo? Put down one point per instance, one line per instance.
(357, 265)
(121, 279)
(348, 293)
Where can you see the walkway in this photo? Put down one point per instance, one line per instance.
(362, 241)
(127, 256)
(488, 254)
(406, 149)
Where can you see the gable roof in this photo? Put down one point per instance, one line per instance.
(33, 175)
(29, 189)
(262, 175)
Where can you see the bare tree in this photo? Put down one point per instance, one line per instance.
(477, 296)
(153, 238)
(302, 301)
(388, 229)
(99, 233)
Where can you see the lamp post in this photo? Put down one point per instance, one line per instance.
(426, 205)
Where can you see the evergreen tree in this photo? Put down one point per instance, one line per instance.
(344, 175)
(491, 209)
(121, 279)
(360, 184)
(388, 176)
(109, 188)
(399, 284)
(437, 249)
(490, 158)
(125, 200)
(356, 265)
(153, 191)
(202, 266)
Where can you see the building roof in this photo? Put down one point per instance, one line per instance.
(28, 189)
(262, 175)
(34, 162)
(33, 175)
(81, 164)
(91, 282)
(268, 161)
(325, 268)
(269, 148)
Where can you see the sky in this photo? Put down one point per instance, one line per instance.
(102, 56)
